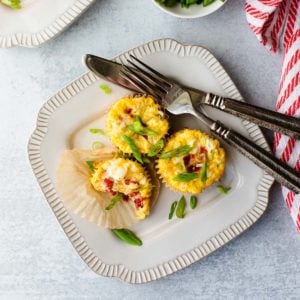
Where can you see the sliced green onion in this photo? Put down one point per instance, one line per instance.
(180, 210)
(133, 147)
(177, 152)
(91, 165)
(138, 128)
(114, 201)
(146, 160)
(156, 148)
(97, 145)
(97, 130)
(105, 88)
(172, 209)
(203, 172)
(186, 177)
(14, 4)
(223, 190)
(193, 202)
(127, 236)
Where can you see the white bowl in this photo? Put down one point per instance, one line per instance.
(194, 11)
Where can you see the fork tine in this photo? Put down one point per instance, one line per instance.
(129, 75)
(147, 78)
(151, 87)
(147, 75)
(159, 76)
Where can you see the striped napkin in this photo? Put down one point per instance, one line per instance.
(276, 23)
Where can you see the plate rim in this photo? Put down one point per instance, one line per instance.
(60, 23)
(62, 215)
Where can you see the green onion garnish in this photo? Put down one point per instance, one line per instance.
(172, 209)
(97, 145)
(177, 152)
(138, 128)
(193, 202)
(146, 159)
(91, 165)
(203, 172)
(105, 88)
(186, 177)
(156, 148)
(14, 4)
(180, 210)
(114, 201)
(127, 236)
(223, 190)
(97, 130)
(133, 147)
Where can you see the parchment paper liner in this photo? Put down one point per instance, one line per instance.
(79, 196)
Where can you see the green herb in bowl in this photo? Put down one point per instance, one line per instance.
(189, 9)
(184, 3)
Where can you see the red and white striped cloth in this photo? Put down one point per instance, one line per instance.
(276, 23)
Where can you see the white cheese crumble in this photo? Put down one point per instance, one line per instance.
(209, 145)
(117, 171)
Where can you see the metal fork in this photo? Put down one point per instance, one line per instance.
(178, 101)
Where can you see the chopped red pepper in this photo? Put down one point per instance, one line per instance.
(109, 183)
(139, 203)
(135, 196)
(203, 150)
(137, 199)
(192, 161)
(186, 159)
(128, 181)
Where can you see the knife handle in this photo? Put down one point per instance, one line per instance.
(282, 173)
(275, 121)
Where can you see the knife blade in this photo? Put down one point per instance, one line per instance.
(108, 69)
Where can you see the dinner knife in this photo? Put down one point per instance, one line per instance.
(275, 121)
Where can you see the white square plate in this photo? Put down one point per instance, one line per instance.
(38, 21)
(168, 246)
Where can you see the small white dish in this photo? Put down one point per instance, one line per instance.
(168, 246)
(38, 21)
(194, 11)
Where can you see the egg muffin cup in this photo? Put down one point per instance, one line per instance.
(126, 179)
(74, 182)
(137, 120)
(191, 161)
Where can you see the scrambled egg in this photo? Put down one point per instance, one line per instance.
(205, 152)
(119, 175)
(123, 114)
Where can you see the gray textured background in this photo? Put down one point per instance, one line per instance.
(36, 259)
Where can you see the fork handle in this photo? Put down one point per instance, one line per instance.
(282, 173)
(275, 121)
